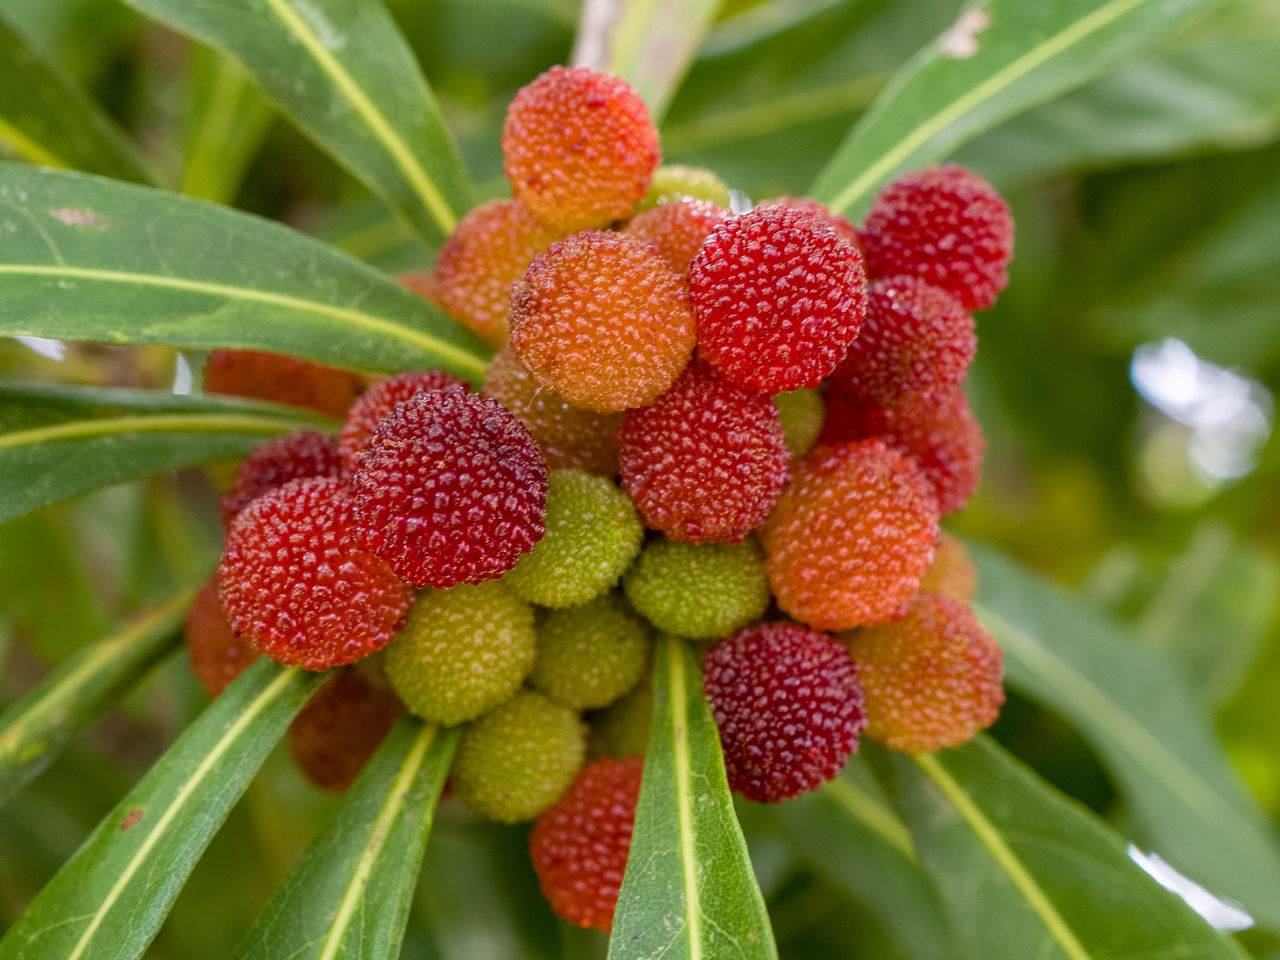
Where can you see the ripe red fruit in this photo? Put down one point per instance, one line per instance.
(296, 580)
(580, 844)
(579, 148)
(819, 210)
(294, 456)
(451, 489)
(216, 654)
(779, 295)
(789, 708)
(945, 225)
(677, 229)
(380, 400)
(705, 461)
(340, 728)
(281, 379)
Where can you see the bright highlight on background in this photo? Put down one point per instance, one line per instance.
(1222, 915)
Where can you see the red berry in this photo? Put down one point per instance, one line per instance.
(579, 148)
(217, 655)
(380, 400)
(945, 225)
(295, 456)
(580, 844)
(779, 295)
(281, 379)
(340, 728)
(789, 708)
(677, 229)
(296, 581)
(705, 462)
(451, 489)
(821, 211)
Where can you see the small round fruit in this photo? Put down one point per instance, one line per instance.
(589, 656)
(294, 456)
(952, 573)
(819, 210)
(216, 654)
(622, 728)
(341, 727)
(801, 413)
(379, 401)
(674, 182)
(677, 229)
(281, 379)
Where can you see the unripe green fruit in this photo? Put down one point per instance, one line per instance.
(801, 413)
(593, 534)
(674, 181)
(702, 591)
(462, 652)
(589, 656)
(622, 728)
(518, 759)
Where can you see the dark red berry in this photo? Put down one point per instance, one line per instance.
(340, 728)
(380, 400)
(217, 655)
(295, 456)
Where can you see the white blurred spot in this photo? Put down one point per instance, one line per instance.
(739, 202)
(52, 349)
(182, 378)
(1223, 916)
(329, 38)
(961, 41)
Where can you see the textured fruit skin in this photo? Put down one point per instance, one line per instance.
(296, 580)
(932, 679)
(589, 656)
(673, 181)
(340, 728)
(294, 456)
(779, 295)
(677, 229)
(519, 758)
(463, 651)
(451, 489)
(580, 845)
(217, 656)
(593, 534)
(945, 225)
(488, 252)
(789, 707)
(801, 413)
(819, 210)
(851, 536)
(705, 461)
(622, 728)
(953, 573)
(424, 284)
(916, 339)
(701, 591)
(568, 436)
(281, 379)
(380, 400)
(603, 321)
(579, 148)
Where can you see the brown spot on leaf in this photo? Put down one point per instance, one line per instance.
(132, 818)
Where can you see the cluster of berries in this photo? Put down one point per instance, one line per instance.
(780, 394)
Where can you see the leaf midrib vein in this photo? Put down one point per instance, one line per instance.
(680, 740)
(202, 422)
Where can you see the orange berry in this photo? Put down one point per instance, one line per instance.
(280, 379)
(953, 573)
(216, 654)
(677, 229)
(425, 284)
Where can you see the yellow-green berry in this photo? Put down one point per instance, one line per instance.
(801, 413)
(622, 728)
(675, 181)
(591, 655)
(518, 759)
(463, 651)
(593, 534)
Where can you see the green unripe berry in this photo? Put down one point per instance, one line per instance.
(589, 656)
(518, 759)
(462, 651)
(622, 728)
(703, 591)
(674, 181)
(801, 413)
(593, 534)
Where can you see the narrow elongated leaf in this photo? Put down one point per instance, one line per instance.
(999, 58)
(46, 120)
(108, 901)
(1147, 726)
(88, 259)
(341, 70)
(56, 442)
(39, 725)
(689, 892)
(224, 121)
(1025, 872)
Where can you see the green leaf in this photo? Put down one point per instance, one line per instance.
(88, 259)
(46, 120)
(689, 892)
(56, 442)
(343, 73)
(1026, 872)
(38, 726)
(350, 893)
(999, 58)
(224, 122)
(1147, 727)
(108, 901)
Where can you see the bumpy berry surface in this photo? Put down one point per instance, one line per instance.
(706, 460)
(953, 573)
(379, 401)
(677, 229)
(801, 413)
(779, 296)
(296, 580)
(216, 654)
(622, 728)
(463, 651)
(487, 253)
(589, 656)
(851, 536)
(916, 339)
(819, 210)
(519, 758)
(703, 591)
(424, 284)
(932, 679)
(451, 489)
(603, 321)
(579, 148)
(946, 226)
(281, 379)
(673, 181)
(593, 534)
(789, 708)
(580, 845)
(295, 456)
(567, 435)
(340, 728)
